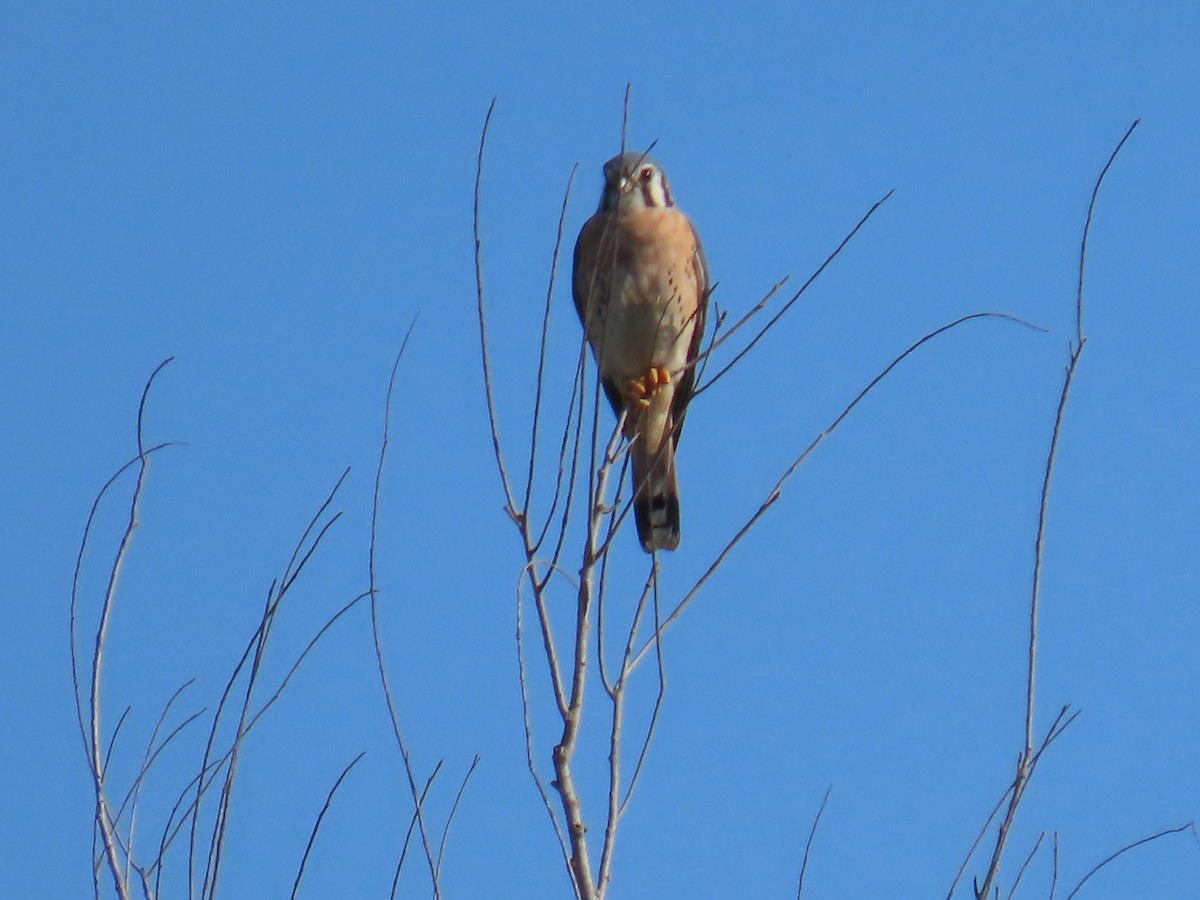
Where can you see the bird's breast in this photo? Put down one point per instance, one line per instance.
(652, 294)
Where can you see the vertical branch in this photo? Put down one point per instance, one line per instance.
(453, 809)
(569, 705)
(104, 819)
(812, 833)
(541, 369)
(511, 506)
(563, 752)
(527, 722)
(377, 642)
(312, 837)
(1025, 760)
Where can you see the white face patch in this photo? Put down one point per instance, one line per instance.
(653, 187)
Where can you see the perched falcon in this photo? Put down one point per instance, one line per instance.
(641, 288)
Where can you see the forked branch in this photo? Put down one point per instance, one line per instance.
(1025, 763)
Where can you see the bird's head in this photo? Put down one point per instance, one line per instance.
(634, 181)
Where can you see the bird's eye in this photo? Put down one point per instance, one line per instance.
(647, 173)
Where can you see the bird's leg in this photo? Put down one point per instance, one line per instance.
(642, 389)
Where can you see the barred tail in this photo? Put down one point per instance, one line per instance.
(656, 494)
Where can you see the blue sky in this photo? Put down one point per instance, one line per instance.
(271, 194)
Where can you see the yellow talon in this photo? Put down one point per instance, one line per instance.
(642, 389)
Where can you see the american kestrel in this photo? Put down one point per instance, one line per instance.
(641, 288)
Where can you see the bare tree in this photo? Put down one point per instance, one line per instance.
(583, 479)
(197, 826)
(1031, 754)
(567, 503)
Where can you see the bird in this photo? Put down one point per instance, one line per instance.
(640, 285)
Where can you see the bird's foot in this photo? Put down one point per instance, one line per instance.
(644, 388)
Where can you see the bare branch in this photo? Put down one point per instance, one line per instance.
(453, 809)
(1187, 826)
(783, 309)
(377, 641)
(1024, 769)
(412, 824)
(312, 837)
(253, 652)
(812, 833)
(1054, 867)
(658, 698)
(541, 369)
(1060, 724)
(1087, 229)
(103, 817)
(774, 493)
(528, 724)
(511, 505)
(134, 793)
(1025, 865)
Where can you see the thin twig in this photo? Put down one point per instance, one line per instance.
(216, 846)
(134, 793)
(296, 565)
(412, 826)
(312, 837)
(1054, 868)
(541, 369)
(658, 697)
(1154, 837)
(377, 640)
(812, 833)
(1025, 865)
(275, 595)
(796, 296)
(527, 722)
(511, 506)
(1060, 724)
(774, 494)
(112, 740)
(77, 576)
(453, 809)
(103, 817)
(1024, 770)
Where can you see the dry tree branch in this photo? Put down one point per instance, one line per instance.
(541, 369)
(1054, 867)
(563, 752)
(518, 518)
(812, 833)
(90, 730)
(112, 740)
(211, 768)
(657, 708)
(312, 837)
(1024, 767)
(775, 491)
(275, 596)
(783, 309)
(603, 519)
(258, 643)
(1025, 865)
(453, 809)
(377, 641)
(1060, 724)
(1187, 826)
(225, 798)
(511, 507)
(114, 849)
(412, 826)
(527, 722)
(133, 795)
